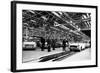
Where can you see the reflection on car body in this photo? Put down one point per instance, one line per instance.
(30, 45)
(78, 46)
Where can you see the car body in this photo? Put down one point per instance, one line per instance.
(29, 45)
(77, 46)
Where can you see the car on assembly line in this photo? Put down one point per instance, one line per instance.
(29, 45)
(77, 46)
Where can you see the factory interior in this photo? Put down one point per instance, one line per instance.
(53, 36)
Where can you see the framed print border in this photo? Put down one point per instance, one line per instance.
(14, 36)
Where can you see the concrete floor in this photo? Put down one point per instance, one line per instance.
(80, 56)
(33, 56)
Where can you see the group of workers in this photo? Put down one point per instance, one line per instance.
(51, 44)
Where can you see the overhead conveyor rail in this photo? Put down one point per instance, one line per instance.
(48, 21)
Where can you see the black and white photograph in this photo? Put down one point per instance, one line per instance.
(53, 36)
(47, 36)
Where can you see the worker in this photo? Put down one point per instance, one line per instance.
(53, 43)
(49, 44)
(67, 45)
(42, 44)
(64, 44)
